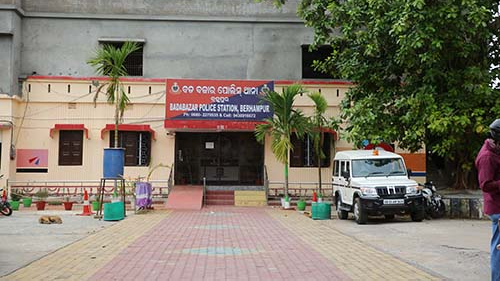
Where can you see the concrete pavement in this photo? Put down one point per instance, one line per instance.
(231, 243)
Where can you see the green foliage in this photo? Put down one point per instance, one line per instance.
(152, 169)
(109, 61)
(421, 71)
(285, 121)
(319, 122)
(16, 195)
(41, 194)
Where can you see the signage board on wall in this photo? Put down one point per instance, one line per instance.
(221, 101)
(32, 161)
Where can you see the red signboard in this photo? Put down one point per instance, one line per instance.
(216, 104)
(32, 158)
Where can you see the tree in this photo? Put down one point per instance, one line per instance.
(319, 123)
(110, 61)
(285, 121)
(422, 71)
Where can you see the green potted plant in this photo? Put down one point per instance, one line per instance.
(15, 198)
(286, 120)
(96, 203)
(41, 197)
(109, 61)
(27, 200)
(301, 204)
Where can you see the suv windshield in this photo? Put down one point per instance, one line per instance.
(378, 167)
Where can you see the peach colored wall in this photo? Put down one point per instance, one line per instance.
(40, 109)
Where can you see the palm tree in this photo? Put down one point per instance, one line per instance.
(285, 121)
(110, 61)
(319, 122)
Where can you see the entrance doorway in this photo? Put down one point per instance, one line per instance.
(221, 158)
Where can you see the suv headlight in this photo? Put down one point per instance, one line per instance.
(370, 191)
(412, 189)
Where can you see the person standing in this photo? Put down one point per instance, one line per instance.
(488, 167)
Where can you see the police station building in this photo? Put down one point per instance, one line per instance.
(194, 87)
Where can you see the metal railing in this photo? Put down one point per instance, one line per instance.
(266, 184)
(204, 191)
(170, 181)
(78, 187)
(276, 189)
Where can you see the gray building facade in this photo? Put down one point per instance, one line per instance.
(200, 39)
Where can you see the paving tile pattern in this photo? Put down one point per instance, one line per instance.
(82, 259)
(356, 259)
(220, 243)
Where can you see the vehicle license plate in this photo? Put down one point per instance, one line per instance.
(393, 201)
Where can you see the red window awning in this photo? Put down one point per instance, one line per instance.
(331, 132)
(69, 127)
(129, 127)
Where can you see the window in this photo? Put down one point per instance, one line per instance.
(308, 58)
(304, 155)
(378, 167)
(70, 148)
(137, 146)
(134, 61)
(336, 169)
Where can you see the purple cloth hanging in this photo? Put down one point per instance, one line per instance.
(144, 195)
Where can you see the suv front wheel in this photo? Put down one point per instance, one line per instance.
(341, 213)
(360, 215)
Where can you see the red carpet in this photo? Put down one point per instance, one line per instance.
(185, 197)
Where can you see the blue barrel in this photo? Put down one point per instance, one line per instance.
(114, 161)
(113, 211)
(321, 211)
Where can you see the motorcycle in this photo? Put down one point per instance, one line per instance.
(434, 205)
(5, 208)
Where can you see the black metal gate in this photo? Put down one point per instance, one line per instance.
(220, 158)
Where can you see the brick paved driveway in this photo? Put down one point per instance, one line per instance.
(219, 243)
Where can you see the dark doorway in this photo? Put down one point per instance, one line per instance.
(221, 158)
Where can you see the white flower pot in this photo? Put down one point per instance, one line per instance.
(287, 205)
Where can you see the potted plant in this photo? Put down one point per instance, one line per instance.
(130, 192)
(41, 197)
(68, 205)
(109, 61)
(15, 198)
(286, 120)
(320, 197)
(27, 200)
(319, 122)
(96, 203)
(301, 204)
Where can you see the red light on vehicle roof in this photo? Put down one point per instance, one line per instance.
(375, 152)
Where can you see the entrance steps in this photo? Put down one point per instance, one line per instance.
(185, 197)
(249, 198)
(251, 195)
(219, 197)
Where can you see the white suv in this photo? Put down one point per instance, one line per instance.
(374, 182)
